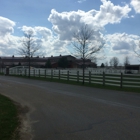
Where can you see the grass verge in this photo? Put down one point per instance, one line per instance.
(110, 87)
(1, 73)
(9, 121)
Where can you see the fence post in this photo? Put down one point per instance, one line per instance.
(39, 72)
(68, 75)
(51, 74)
(77, 76)
(25, 72)
(45, 73)
(7, 71)
(89, 77)
(59, 74)
(103, 78)
(121, 80)
(34, 72)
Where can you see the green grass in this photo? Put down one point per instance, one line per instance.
(1, 73)
(9, 120)
(126, 89)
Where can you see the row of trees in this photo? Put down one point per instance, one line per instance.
(114, 62)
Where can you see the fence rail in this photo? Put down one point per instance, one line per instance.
(103, 78)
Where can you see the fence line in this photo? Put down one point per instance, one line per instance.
(103, 78)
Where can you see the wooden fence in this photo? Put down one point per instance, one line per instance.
(119, 79)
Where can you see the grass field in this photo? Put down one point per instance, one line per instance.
(9, 121)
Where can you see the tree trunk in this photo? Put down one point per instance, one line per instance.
(29, 66)
(83, 71)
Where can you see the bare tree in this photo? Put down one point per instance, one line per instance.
(106, 64)
(86, 45)
(29, 47)
(126, 61)
(136, 51)
(94, 60)
(114, 62)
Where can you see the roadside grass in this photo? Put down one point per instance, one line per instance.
(9, 121)
(1, 73)
(72, 82)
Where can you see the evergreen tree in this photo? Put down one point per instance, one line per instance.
(48, 64)
(19, 64)
(102, 65)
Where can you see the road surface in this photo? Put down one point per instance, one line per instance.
(56, 111)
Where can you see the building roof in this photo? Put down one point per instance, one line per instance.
(51, 57)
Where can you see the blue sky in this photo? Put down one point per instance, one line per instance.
(54, 21)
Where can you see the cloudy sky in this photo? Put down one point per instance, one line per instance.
(54, 21)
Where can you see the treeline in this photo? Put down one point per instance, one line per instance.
(114, 62)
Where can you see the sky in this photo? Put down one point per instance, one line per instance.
(53, 23)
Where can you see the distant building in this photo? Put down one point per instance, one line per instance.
(39, 62)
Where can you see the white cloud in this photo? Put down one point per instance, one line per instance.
(81, 1)
(43, 32)
(119, 42)
(136, 5)
(8, 42)
(59, 47)
(27, 29)
(65, 23)
(50, 44)
(6, 26)
(121, 45)
(110, 13)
